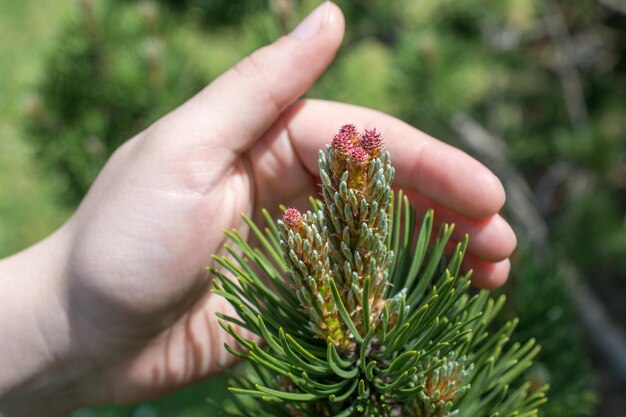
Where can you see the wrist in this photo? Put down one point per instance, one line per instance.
(40, 369)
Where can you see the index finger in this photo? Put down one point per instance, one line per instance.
(423, 164)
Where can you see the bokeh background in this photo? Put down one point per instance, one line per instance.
(536, 89)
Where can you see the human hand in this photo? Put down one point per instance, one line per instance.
(131, 304)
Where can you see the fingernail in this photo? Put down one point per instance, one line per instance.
(313, 23)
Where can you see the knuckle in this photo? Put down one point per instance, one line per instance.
(253, 66)
(254, 70)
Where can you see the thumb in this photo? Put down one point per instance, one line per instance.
(244, 102)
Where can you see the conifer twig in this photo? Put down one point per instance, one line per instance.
(376, 321)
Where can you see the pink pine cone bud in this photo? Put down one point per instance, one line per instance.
(351, 132)
(349, 129)
(342, 143)
(372, 142)
(292, 218)
(358, 156)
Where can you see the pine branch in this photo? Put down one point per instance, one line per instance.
(362, 314)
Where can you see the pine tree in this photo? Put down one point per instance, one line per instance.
(114, 71)
(360, 313)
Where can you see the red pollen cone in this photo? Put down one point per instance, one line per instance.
(372, 142)
(358, 156)
(292, 218)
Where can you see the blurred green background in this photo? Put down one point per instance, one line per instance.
(534, 88)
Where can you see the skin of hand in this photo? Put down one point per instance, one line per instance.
(114, 306)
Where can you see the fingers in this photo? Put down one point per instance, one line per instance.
(487, 275)
(490, 240)
(442, 173)
(243, 102)
(490, 244)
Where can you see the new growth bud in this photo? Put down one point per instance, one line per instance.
(443, 380)
(372, 142)
(357, 168)
(358, 156)
(304, 242)
(292, 218)
(356, 185)
(353, 152)
(342, 144)
(351, 132)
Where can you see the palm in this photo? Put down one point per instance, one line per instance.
(168, 280)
